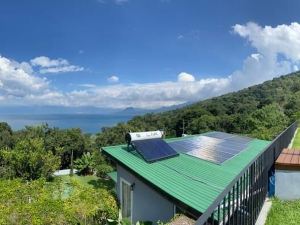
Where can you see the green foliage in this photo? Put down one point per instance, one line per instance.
(267, 121)
(29, 160)
(61, 142)
(39, 202)
(125, 221)
(101, 165)
(6, 136)
(85, 165)
(91, 206)
(296, 142)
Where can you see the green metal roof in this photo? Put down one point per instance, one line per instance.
(192, 181)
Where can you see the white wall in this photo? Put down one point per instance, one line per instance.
(148, 205)
(287, 184)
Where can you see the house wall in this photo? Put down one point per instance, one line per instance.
(287, 184)
(148, 205)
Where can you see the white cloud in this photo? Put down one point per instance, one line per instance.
(282, 39)
(185, 77)
(87, 85)
(113, 79)
(117, 2)
(44, 61)
(120, 2)
(19, 85)
(149, 95)
(180, 36)
(61, 69)
(276, 52)
(47, 65)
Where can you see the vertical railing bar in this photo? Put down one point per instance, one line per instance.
(248, 195)
(237, 210)
(228, 206)
(244, 208)
(233, 205)
(254, 191)
(224, 210)
(219, 214)
(213, 218)
(251, 194)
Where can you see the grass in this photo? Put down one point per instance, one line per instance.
(91, 181)
(284, 212)
(296, 142)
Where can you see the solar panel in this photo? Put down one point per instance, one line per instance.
(216, 147)
(154, 149)
(241, 140)
(218, 134)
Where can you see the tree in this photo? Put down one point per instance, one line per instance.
(267, 122)
(73, 146)
(29, 160)
(102, 167)
(6, 136)
(85, 165)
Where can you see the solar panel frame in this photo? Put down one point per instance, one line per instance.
(153, 150)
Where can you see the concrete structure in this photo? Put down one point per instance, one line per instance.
(287, 175)
(287, 184)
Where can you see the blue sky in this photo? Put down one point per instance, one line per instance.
(141, 53)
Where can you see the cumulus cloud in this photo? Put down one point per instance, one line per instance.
(113, 79)
(47, 65)
(185, 77)
(276, 51)
(282, 39)
(19, 85)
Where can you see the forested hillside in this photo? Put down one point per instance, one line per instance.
(261, 111)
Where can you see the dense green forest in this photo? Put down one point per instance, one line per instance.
(260, 111)
(30, 194)
(29, 157)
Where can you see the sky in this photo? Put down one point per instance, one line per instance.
(141, 53)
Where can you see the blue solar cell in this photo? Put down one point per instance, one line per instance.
(154, 149)
(216, 147)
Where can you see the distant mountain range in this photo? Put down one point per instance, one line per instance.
(15, 110)
(139, 111)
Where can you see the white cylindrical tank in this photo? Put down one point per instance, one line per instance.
(135, 136)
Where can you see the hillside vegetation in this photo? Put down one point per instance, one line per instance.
(260, 111)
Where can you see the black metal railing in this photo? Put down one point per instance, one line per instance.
(242, 200)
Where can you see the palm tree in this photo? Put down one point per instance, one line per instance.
(85, 165)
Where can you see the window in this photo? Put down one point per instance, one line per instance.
(126, 199)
